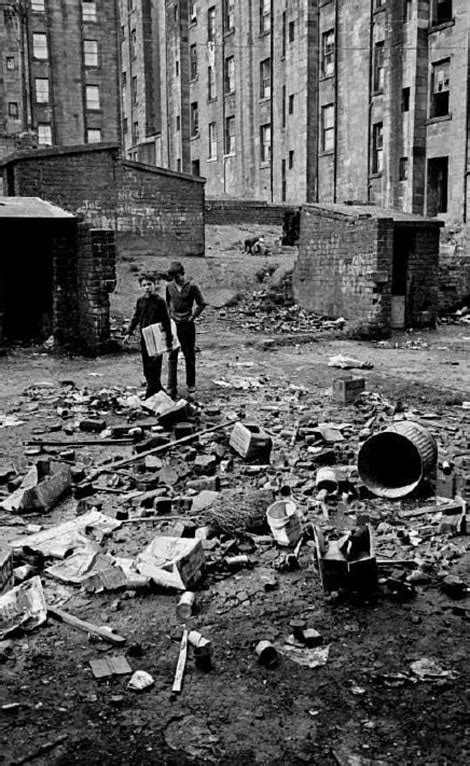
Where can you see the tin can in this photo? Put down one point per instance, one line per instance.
(266, 653)
(185, 606)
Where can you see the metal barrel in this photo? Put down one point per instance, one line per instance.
(392, 463)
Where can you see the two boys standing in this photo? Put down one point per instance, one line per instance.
(184, 303)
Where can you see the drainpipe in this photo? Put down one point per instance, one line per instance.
(224, 157)
(369, 127)
(467, 128)
(271, 106)
(336, 111)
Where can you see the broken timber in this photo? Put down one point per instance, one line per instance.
(88, 627)
(178, 682)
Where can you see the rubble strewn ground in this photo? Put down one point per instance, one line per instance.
(384, 680)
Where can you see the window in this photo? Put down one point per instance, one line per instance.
(407, 10)
(92, 93)
(130, 5)
(133, 44)
(265, 143)
(291, 31)
(377, 147)
(134, 90)
(437, 188)
(41, 86)
(178, 165)
(379, 52)
(229, 75)
(13, 109)
(194, 113)
(192, 11)
(44, 134)
(195, 168)
(265, 79)
(283, 181)
(90, 53)
(291, 159)
(10, 63)
(211, 24)
(284, 99)
(230, 135)
(403, 169)
(328, 53)
(193, 61)
(40, 46)
(328, 128)
(135, 133)
(264, 16)
(93, 135)
(211, 84)
(441, 11)
(178, 122)
(177, 68)
(229, 22)
(379, 4)
(440, 89)
(89, 10)
(38, 5)
(212, 141)
(291, 103)
(284, 33)
(125, 125)
(405, 100)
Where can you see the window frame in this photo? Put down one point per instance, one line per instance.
(328, 53)
(91, 88)
(211, 23)
(229, 137)
(93, 130)
(229, 75)
(265, 81)
(436, 110)
(212, 140)
(379, 66)
(37, 91)
(94, 55)
(265, 21)
(327, 128)
(38, 49)
(211, 83)
(45, 125)
(265, 143)
(377, 148)
(194, 119)
(193, 62)
(89, 11)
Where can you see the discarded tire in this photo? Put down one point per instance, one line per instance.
(393, 463)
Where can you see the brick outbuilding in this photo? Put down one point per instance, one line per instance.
(55, 276)
(376, 267)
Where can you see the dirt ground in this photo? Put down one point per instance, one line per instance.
(364, 706)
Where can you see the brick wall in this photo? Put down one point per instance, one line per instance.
(230, 211)
(163, 207)
(338, 260)
(96, 278)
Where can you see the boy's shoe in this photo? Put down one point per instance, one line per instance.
(191, 389)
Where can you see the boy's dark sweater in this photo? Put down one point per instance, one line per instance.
(151, 310)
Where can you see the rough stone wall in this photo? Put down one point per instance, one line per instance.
(96, 278)
(423, 274)
(159, 205)
(226, 212)
(65, 295)
(339, 268)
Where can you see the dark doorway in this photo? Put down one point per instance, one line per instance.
(26, 277)
(403, 246)
(195, 168)
(438, 178)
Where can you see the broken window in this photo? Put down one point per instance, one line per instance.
(407, 10)
(291, 31)
(379, 4)
(440, 89)
(10, 63)
(44, 134)
(195, 168)
(265, 142)
(194, 114)
(40, 46)
(13, 109)
(291, 103)
(178, 122)
(328, 128)
(284, 100)
(89, 10)
(193, 61)
(212, 140)
(192, 11)
(177, 68)
(93, 135)
(134, 89)
(41, 86)
(211, 24)
(405, 100)
(38, 5)
(229, 23)
(230, 135)
(403, 169)
(441, 11)
(90, 52)
(229, 75)
(265, 78)
(135, 133)
(379, 54)
(133, 43)
(211, 84)
(291, 159)
(92, 93)
(438, 178)
(377, 147)
(328, 53)
(264, 16)
(284, 33)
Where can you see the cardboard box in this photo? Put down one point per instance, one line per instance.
(251, 442)
(6, 568)
(173, 562)
(346, 390)
(155, 339)
(41, 488)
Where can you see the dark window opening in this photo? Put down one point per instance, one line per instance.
(441, 11)
(379, 71)
(195, 168)
(193, 61)
(440, 86)
(377, 147)
(194, 119)
(328, 53)
(291, 159)
(291, 31)
(291, 103)
(405, 100)
(438, 178)
(403, 169)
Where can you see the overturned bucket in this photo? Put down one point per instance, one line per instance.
(284, 522)
(393, 463)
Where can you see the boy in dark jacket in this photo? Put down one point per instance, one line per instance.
(150, 309)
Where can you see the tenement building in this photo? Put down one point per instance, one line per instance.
(59, 72)
(320, 100)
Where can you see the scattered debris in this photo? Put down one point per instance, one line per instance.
(140, 681)
(110, 666)
(23, 607)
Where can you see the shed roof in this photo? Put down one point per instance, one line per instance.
(31, 207)
(358, 211)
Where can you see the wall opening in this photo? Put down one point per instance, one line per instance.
(403, 246)
(437, 191)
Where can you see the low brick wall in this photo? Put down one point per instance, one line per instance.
(164, 208)
(226, 212)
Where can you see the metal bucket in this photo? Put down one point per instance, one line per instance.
(393, 463)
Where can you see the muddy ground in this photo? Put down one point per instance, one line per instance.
(363, 706)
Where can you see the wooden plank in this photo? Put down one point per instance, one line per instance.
(88, 627)
(178, 682)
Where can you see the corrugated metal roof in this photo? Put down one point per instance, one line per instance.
(31, 207)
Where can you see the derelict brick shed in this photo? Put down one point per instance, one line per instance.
(55, 276)
(376, 267)
(161, 210)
